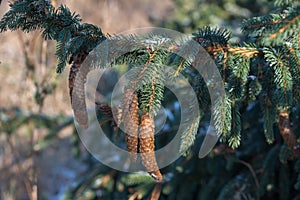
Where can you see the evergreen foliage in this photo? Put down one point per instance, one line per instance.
(260, 75)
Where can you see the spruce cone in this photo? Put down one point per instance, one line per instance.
(77, 79)
(118, 118)
(110, 112)
(105, 109)
(118, 112)
(131, 121)
(147, 146)
(288, 134)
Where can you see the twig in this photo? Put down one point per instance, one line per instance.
(21, 170)
(156, 191)
(251, 170)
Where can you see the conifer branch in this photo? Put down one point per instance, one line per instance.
(223, 116)
(271, 73)
(245, 51)
(288, 24)
(188, 137)
(141, 74)
(269, 119)
(259, 25)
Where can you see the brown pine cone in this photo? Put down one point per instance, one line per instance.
(130, 118)
(147, 128)
(288, 134)
(77, 79)
(110, 112)
(118, 113)
(105, 109)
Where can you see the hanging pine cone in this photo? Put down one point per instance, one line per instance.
(118, 117)
(105, 109)
(130, 118)
(110, 112)
(77, 79)
(147, 128)
(288, 134)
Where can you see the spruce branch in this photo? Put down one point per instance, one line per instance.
(235, 137)
(246, 51)
(282, 75)
(291, 21)
(275, 28)
(277, 85)
(208, 36)
(182, 56)
(189, 135)
(61, 50)
(239, 68)
(223, 116)
(152, 89)
(283, 2)
(269, 119)
(294, 65)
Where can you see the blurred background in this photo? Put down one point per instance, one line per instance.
(41, 156)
